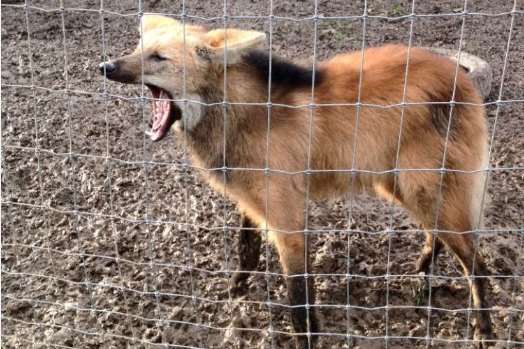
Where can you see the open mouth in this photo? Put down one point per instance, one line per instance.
(165, 113)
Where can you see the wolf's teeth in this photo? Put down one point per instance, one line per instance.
(148, 133)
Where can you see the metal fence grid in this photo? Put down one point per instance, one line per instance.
(13, 268)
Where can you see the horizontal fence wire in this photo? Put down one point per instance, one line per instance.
(134, 339)
(151, 265)
(233, 227)
(275, 17)
(105, 95)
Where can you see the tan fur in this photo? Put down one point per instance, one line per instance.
(454, 208)
(377, 135)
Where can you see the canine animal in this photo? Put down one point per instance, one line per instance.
(336, 128)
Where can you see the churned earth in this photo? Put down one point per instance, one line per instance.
(111, 241)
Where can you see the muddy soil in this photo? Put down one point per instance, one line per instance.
(111, 241)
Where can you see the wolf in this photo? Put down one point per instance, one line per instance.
(272, 134)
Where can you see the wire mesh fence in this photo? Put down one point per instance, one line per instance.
(111, 240)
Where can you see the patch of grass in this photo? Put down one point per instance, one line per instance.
(340, 30)
(397, 10)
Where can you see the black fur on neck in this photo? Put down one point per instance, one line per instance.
(283, 73)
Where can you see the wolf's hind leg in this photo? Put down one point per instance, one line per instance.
(429, 253)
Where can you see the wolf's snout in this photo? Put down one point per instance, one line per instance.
(122, 70)
(107, 68)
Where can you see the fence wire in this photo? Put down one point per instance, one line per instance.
(151, 266)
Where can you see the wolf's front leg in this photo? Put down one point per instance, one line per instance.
(283, 212)
(249, 255)
(294, 258)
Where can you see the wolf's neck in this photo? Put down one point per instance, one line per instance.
(216, 131)
(213, 129)
(216, 98)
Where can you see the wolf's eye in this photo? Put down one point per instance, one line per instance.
(157, 57)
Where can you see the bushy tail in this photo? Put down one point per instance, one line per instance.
(479, 200)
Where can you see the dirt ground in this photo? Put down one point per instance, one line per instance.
(103, 250)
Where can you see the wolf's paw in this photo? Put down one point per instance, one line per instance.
(239, 285)
(483, 333)
(481, 339)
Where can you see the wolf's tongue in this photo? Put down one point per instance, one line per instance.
(161, 111)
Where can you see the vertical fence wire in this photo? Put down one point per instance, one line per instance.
(109, 163)
(75, 225)
(187, 196)
(490, 149)
(147, 163)
(36, 125)
(267, 165)
(224, 170)
(390, 230)
(438, 205)
(353, 172)
(312, 110)
(148, 222)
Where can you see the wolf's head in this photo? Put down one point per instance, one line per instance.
(172, 56)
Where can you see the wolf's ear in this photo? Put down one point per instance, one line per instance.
(234, 42)
(150, 22)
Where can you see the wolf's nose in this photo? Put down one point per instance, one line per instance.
(107, 68)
